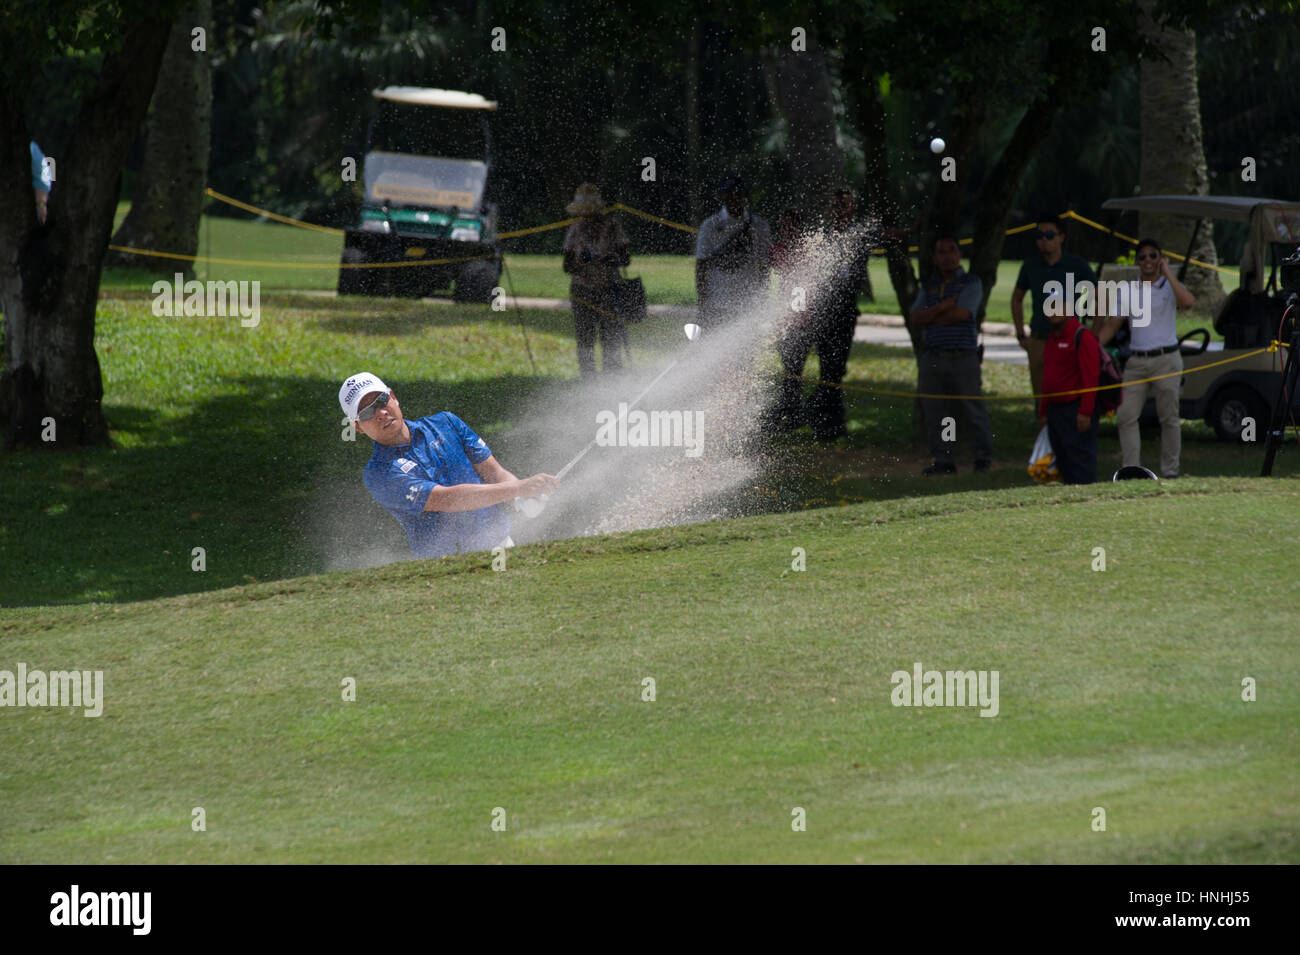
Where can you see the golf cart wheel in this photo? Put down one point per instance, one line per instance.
(1231, 406)
(476, 281)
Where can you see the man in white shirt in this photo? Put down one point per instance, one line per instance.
(1153, 351)
(731, 257)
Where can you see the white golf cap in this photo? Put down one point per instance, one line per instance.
(356, 388)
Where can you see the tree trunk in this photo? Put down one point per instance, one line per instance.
(994, 206)
(168, 198)
(878, 194)
(811, 143)
(49, 275)
(693, 191)
(1173, 153)
(946, 201)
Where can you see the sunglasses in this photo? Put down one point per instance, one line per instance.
(368, 412)
(1048, 235)
(1148, 255)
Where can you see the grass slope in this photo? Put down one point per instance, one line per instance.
(522, 690)
(229, 438)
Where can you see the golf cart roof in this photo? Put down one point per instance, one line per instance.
(423, 96)
(1271, 221)
(1234, 208)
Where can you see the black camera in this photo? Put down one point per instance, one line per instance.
(1289, 278)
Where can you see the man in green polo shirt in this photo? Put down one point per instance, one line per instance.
(1052, 265)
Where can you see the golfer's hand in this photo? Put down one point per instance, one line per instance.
(1083, 422)
(1023, 339)
(1163, 267)
(537, 485)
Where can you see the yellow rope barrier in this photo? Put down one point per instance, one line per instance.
(1054, 394)
(212, 260)
(533, 230)
(1071, 214)
(272, 215)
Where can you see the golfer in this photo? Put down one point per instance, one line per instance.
(436, 477)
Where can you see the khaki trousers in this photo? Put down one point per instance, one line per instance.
(1166, 394)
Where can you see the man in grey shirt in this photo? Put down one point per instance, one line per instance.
(946, 307)
(731, 257)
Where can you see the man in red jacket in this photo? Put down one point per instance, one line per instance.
(1071, 360)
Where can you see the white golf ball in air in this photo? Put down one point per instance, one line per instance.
(937, 145)
(692, 332)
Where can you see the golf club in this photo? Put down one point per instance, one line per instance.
(532, 506)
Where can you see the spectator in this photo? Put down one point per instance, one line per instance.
(436, 477)
(731, 257)
(946, 308)
(1072, 361)
(595, 247)
(41, 182)
(1052, 265)
(835, 316)
(1153, 351)
(795, 339)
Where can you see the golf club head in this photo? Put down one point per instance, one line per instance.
(692, 331)
(530, 507)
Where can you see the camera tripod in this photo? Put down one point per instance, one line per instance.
(1276, 432)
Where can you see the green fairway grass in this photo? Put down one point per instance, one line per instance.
(522, 690)
(289, 257)
(229, 438)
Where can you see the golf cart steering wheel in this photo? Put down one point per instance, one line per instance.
(1205, 341)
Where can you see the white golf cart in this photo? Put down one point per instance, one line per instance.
(1249, 319)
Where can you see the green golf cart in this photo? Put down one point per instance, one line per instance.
(426, 168)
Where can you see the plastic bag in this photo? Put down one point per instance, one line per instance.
(1042, 460)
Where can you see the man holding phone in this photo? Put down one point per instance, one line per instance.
(1153, 353)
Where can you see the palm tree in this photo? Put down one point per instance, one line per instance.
(1173, 154)
(168, 196)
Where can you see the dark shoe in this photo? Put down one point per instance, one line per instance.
(938, 468)
(982, 466)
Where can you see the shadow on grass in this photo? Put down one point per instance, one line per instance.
(264, 482)
(266, 485)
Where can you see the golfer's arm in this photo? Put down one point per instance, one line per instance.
(491, 471)
(1018, 311)
(471, 497)
(700, 289)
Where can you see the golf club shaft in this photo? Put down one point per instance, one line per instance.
(635, 401)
